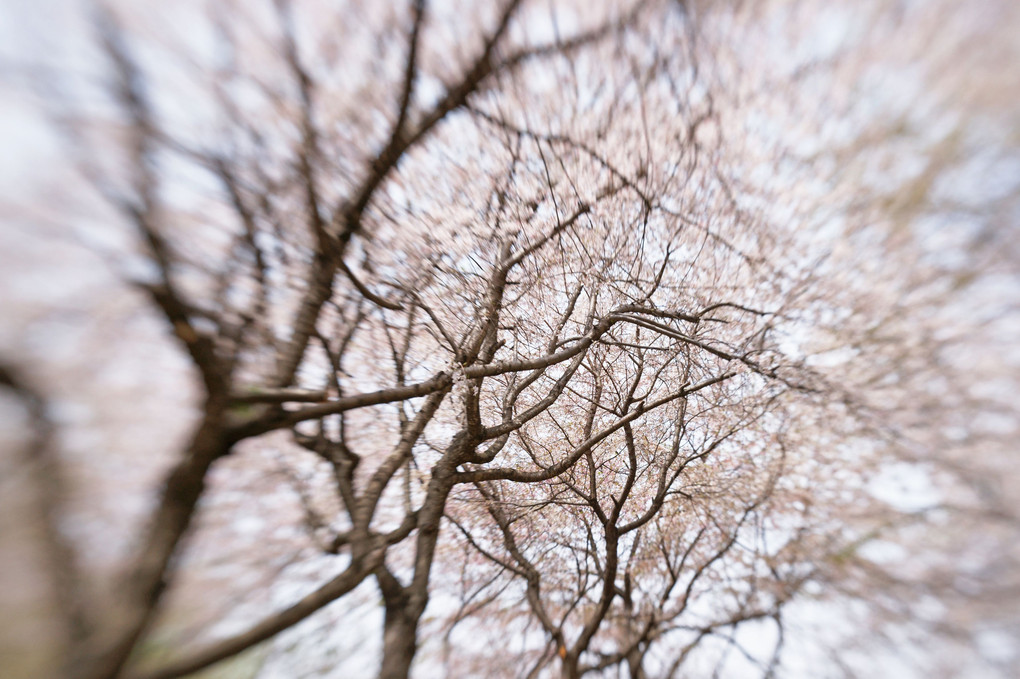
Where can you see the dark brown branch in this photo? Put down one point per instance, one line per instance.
(350, 578)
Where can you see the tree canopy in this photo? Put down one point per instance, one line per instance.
(516, 338)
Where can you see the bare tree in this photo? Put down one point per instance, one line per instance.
(514, 288)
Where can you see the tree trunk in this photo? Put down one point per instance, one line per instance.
(400, 639)
(635, 662)
(570, 669)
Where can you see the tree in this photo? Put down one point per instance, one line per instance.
(517, 299)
